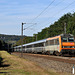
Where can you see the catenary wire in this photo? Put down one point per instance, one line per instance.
(57, 12)
(41, 13)
(61, 10)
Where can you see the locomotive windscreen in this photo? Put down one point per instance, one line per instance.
(71, 39)
(67, 39)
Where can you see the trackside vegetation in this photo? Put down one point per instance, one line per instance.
(54, 29)
(13, 65)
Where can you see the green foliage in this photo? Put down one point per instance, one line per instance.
(25, 40)
(54, 29)
(9, 37)
(3, 45)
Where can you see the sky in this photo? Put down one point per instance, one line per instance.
(42, 12)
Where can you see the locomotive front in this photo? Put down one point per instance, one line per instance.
(67, 44)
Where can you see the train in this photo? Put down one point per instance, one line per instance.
(63, 44)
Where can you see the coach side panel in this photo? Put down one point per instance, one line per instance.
(52, 45)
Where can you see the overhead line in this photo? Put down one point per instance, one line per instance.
(57, 12)
(54, 7)
(63, 9)
(47, 7)
(41, 13)
(44, 10)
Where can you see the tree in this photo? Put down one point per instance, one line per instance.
(55, 29)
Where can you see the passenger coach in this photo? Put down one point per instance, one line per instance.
(58, 45)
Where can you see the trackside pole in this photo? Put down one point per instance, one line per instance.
(73, 69)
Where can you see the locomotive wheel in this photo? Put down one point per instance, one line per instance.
(56, 53)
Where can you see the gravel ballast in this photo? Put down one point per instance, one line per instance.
(49, 64)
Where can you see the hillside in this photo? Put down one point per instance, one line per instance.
(58, 27)
(10, 38)
(55, 29)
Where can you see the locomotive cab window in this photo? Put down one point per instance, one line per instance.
(67, 39)
(64, 39)
(71, 39)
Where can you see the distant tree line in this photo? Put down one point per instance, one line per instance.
(9, 37)
(54, 29)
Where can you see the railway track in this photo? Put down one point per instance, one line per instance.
(70, 60)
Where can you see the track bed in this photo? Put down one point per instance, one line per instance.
(60, 64)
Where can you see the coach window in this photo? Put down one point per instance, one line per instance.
(41, 45)
(32, 45)
(58, 41)
(51, 42)
(55, 41)
(36, 45)
(46, 43)
(29, 46)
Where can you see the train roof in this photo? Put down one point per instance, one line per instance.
(40, 41)
(17, 46)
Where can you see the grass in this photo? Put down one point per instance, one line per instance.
(13, 65)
